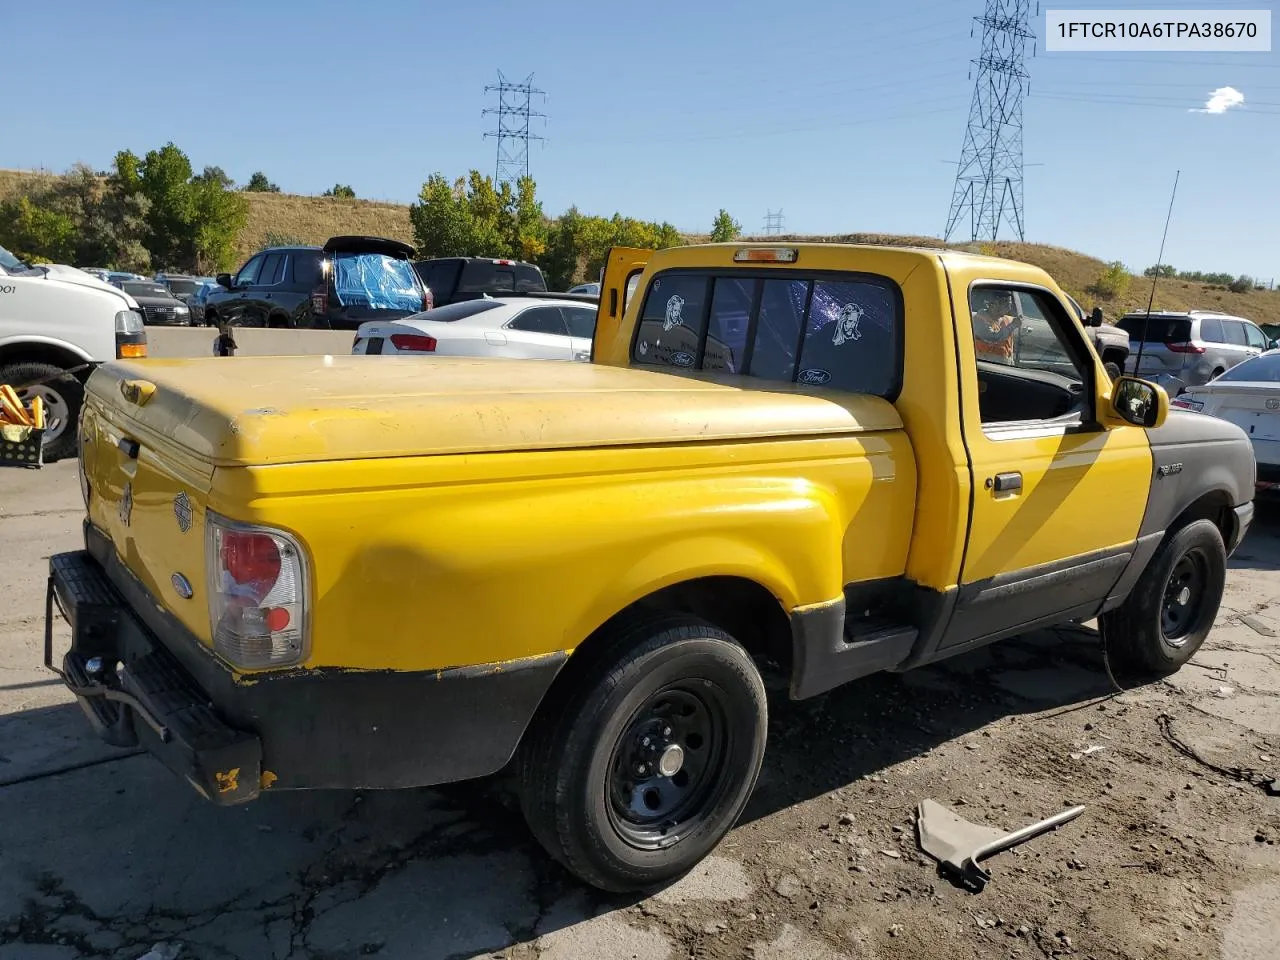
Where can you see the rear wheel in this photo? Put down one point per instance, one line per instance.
(62, 395)
(1171, 610)
(644, 762)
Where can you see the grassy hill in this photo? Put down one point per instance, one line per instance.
(314, 219)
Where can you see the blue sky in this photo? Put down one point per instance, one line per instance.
(840, 112)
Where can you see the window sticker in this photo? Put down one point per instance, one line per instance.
(673, 319)
(814, 376)
(643, 347)
(846, 325)
(682, 358)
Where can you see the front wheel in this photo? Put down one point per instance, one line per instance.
(62, 395)
(1170, 611)
(641, 765)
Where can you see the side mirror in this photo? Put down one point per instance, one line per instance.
(224, 280)
(1095, 318)
(1138, 402)
(1273, 344)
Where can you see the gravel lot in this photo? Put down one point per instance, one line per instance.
(1177, 855)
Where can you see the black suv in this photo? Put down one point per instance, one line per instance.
(451, 279)
(335, 287)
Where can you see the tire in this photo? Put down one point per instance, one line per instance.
(63, 395)
(670, 699)
(1161, 625)
(279, 321)
(1216, 374)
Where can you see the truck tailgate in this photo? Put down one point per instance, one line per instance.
(148, 496)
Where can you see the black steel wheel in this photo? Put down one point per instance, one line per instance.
(645, 752)
(1171, 609)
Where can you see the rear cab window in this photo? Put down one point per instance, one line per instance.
(486, 276)
(842, 331)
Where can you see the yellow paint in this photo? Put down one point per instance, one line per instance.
(266, 780)
(228, 781)
(464, 512)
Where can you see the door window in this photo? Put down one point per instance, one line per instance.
(1234, 331)
(1029, 367)
(270, 272)
(540, 320)
(306, 269)
(248, 274)
(1255, 337)
(582, 322)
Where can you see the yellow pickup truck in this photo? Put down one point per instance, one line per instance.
(378, 572)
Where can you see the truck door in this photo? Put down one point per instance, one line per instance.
(622, 269)
(1057, 498)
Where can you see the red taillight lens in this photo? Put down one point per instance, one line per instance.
(413, 341)
(1187, 347)
(252, 560)
(320, 300)
(428, 299)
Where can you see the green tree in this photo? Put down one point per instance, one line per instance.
(216, 175)
(341, 191)
(258, 183)
(217, 217)
(1160, 270)
(1113, 282)
(440, 220)
(529, 236)
(725, 228)
(36, 233)
(165, 180)
(1241, 284)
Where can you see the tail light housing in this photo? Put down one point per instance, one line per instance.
(1187, 347)
(320, 300)
(257, 594)
(412, 341)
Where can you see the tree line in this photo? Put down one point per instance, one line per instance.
(1241, 284)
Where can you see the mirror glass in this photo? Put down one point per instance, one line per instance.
(1135, 401)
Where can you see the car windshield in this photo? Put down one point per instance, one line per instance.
(1263, 369)
(460, 310)
(9, 261)
(1158, 329)
(138, 288)
(182, 284)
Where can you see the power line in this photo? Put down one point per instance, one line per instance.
(773, 223)
(515, 111)
(988, 188)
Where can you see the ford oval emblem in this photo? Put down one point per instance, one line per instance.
(682, 359)
(181, 586)
(814, 376)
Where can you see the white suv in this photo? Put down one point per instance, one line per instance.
(56, 324)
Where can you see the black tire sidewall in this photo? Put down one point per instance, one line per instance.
(605, 715)
(56, 380)
(1201, 536)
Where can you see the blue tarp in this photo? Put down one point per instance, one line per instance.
(376, 280)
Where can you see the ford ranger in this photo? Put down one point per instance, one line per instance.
(379, 572)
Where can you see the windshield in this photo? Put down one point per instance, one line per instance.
(9, 261)
(1263, 369)
(460, 310)
(182, 285)
(139, 289)
(1158, 329)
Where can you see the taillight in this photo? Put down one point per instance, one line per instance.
(1187, 347)
(320, 300)
(413, 341)
(428, 299)
(257, 594)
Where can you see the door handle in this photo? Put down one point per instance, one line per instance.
(1005, 483)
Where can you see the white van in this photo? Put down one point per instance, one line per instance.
(56, 324)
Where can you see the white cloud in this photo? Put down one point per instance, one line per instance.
(1222, 100)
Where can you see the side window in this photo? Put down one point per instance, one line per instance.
(540, 320)
(850, 340)
(1234, 331)
(249, 272)
(1211, 330)
(270, 272)
(731, 302)
(306, 269)
(582, 322)
(1029, 365)
(1255, 337)
(672, 321)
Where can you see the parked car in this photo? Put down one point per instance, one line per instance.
(56, 324)
(1247, 395)
(198, 299)
(181, 285)
(335, 287)
(1110, 343)
(159, 307)
(590, 289)
(102, 273)
(534, 328)
(451, 279)
(335, 573)
(1183, 350)
(117, 277)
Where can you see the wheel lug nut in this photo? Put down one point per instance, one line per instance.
(641, 768)
(644, 741)
(666, 731)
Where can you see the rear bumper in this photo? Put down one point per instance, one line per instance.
(232, 736)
